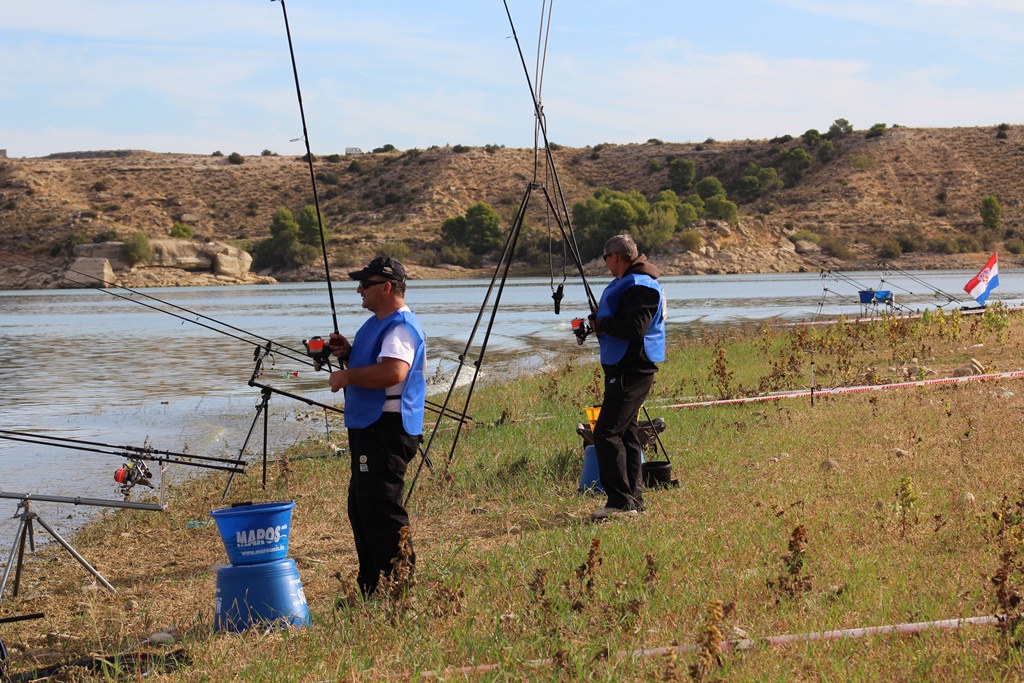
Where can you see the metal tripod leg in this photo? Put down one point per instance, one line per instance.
(17, 551)
(262, 408)
(25, 531)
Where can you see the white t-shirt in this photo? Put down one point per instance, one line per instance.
(397, 343)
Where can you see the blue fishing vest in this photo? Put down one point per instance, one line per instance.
(614, 348)
(363, 407)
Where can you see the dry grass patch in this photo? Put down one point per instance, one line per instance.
(861, 510)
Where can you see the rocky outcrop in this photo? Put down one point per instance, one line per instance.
(110, 251)
(195, 256)
(182, 254)
(229, 261)
(89, 271)
(174, 277)
(175, 263)
(709, 260)
(807, 247)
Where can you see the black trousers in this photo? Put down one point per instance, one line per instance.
(617, 439)
(380, 455)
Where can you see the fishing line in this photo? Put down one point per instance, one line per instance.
(559, 211)
(312, 174)
(541, 126)
(886, 267)
(302, 359)
(827, 272)
(543, 34)
(312, 180)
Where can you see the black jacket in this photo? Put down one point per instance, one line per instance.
(637, 308)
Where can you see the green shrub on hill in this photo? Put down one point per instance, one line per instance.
(690, 240)
(876, 131)
(398, 250)
(182, 231)
(283, 249)
(136, 249)
(478, 231)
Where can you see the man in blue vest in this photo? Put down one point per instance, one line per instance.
(385, 390)
(630, 327)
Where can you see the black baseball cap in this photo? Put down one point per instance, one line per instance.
(382, 266)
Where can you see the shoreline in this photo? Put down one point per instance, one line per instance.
(16, 277)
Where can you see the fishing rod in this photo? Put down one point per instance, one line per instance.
(143, 453)
(324, 356)
(294, 355)
(827, 273)
(301, 357)
(134, 471)
(505, 260)
(950, 298)
(886, 266)
(889, 284)
(312, 174)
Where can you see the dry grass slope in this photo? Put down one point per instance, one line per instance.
(929, 180)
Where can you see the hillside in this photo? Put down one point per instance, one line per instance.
(925, 183)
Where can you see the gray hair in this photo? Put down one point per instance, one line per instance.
(622, 245)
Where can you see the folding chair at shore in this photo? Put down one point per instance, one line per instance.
(648, 431)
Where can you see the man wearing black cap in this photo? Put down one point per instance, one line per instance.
(385, 390)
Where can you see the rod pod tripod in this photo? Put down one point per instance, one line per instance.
(26, 534)
(263, 408)
(558, 210)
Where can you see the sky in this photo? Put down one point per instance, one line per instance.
(193, 77)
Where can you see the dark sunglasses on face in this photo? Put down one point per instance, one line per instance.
(366, 284)
(608, 256)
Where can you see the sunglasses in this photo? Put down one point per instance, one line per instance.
(608, 256)
(366, 284)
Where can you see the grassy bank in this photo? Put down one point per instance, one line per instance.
(865, 509)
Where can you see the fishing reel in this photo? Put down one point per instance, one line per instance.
(321, 350)
(131, 474)
(581, 328)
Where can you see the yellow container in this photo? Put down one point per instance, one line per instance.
(592, 414)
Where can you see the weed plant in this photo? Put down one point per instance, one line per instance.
(513, 578)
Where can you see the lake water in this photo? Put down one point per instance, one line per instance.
(87, 365)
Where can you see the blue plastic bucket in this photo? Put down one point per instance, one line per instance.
(255, 533)
(252, 594)
(590, 477)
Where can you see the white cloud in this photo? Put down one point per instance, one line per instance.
(218, 75)
(974, 24)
